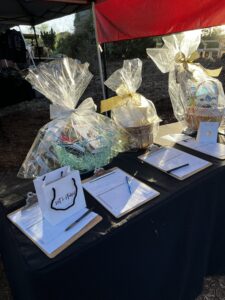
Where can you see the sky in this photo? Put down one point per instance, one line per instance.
(59, 25)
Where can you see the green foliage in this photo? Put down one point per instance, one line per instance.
(42, 27)
(49, 38)
(130, 48)
(63, 42)
(82, 45)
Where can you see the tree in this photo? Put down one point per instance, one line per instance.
(130, 48)
(81, 44)
(42, 27)
(65, 44)
(49, 38)
(60, 41)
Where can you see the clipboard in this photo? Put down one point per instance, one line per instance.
(118, 191)
(216, 150)
(174, 162)
(61, 239)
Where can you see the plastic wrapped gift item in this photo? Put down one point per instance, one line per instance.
(202, 105)
(132, 111)
(78, 137)
(195, 95)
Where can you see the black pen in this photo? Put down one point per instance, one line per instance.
(177, 168)
(79, 219)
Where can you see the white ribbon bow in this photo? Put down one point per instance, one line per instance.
(85, 108)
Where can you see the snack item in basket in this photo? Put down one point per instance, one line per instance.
(76, 136)
(132, 111)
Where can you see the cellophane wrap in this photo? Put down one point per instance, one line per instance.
(136, 114)
(76, 136)
(195, 95)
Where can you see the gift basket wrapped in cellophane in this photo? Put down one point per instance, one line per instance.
(195, 95)
(76, 136)
(129, 109)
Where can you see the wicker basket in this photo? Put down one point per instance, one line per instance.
(195, 115)
(142, 136)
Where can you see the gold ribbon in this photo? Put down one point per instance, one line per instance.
(180, 58)
(116, 101)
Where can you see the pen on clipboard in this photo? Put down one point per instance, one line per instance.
(177, 168)
(128, 184)
(79, 219)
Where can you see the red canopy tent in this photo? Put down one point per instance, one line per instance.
(122, 19)
(128, 19)
(117, 20)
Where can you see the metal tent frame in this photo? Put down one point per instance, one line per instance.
(34, 12)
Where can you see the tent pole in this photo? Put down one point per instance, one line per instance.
(35, 36)
(105, 68)
(99, 49)
(31, 57)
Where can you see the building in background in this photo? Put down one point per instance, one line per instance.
(212, 48)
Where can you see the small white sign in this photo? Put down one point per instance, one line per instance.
(60, 194)
(207, 132)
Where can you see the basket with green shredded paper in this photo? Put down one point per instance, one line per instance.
(76, 136)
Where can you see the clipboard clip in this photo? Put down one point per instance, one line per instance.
(99, 173)
(154, 148)
(30, 200)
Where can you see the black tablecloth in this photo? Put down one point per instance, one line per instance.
(160, 251)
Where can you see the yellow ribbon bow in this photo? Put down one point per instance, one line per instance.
(123, 96)
(180, 58)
